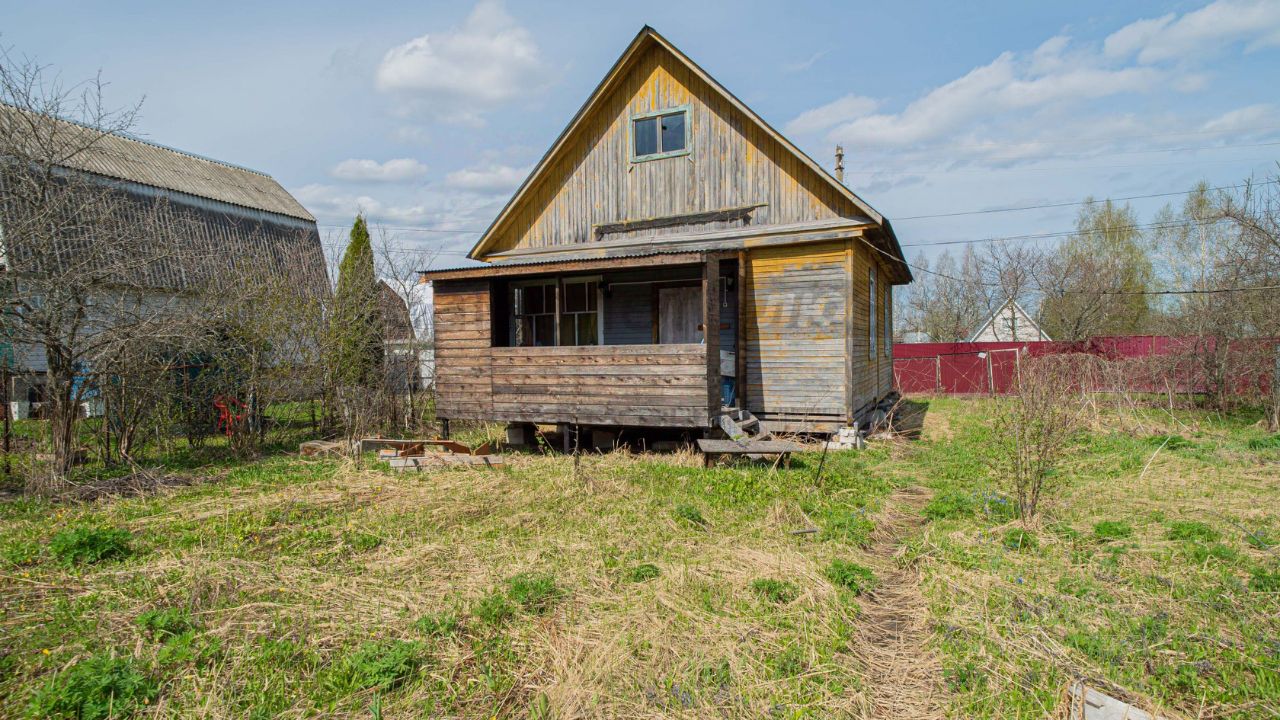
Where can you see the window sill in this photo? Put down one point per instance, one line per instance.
(659, 156)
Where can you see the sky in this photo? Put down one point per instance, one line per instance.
(427, 115)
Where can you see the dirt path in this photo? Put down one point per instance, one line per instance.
(904, 676)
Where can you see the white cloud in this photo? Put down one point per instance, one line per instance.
(440, 210)
(458, 76)
(1244, 120)
(801, 66)
(488, 179)
(833, 113)
(1203, 31)
(397, 170)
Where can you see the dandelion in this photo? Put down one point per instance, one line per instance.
(45, 651)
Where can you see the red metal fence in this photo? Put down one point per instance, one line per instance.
(1148, 363)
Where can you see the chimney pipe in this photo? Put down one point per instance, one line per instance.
(840, 163)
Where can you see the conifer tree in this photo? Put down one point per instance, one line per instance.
(356, 328)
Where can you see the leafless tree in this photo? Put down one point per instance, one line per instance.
(84, 262)
(406, 320)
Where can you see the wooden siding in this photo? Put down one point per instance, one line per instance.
(795, 331)
(731, 162)
(462, 338)
(639, 385)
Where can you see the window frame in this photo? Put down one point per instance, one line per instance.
(871, 311)
(887, 321)
(659, 114)
(554, 312)
(564, 314)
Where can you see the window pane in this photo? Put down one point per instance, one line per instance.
(646, 136)
(544, 330)
(673, 132)
(532, 304)
(524, 332)
(593, 295)
(575, 297)
(587, 329)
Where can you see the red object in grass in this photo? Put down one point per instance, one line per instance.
(230, 412)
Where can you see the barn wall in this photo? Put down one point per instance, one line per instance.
(731, 163)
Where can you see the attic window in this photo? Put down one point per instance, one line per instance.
(660, 134)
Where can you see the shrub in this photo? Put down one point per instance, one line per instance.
(86, 544)
(95, 688)
(1192, 530)
(536, 593)
(780, 592)
(1036, 425)
(1019, 539)
(166, 622)
(1108, 530)
(851, 576)
(643, 573)
(690, 514)
(439, 624)
(376, 664)
(1264, 581)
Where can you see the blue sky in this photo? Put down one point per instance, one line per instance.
(428, 114)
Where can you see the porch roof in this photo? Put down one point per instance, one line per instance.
(541, 267)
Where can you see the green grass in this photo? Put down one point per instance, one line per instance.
(646, 585)
(1156, 582)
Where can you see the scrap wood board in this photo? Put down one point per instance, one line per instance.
(437, 459)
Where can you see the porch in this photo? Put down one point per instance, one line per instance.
(607, 346)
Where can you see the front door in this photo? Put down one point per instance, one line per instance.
(679, 315)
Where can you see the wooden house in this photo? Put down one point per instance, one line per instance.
(1009, 323)
(665, 208)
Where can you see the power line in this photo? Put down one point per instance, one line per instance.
(1065, 233)
(1077, 202)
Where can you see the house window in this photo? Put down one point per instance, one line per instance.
(888, 320)
(871, 310)
(580, 318)
(659, 134)
(535, 314)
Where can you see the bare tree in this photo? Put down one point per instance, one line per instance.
(83, 261)
(407, 323)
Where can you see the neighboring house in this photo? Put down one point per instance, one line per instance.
(402, 354)
(230, 210)
(1010, 323)
(665, 207)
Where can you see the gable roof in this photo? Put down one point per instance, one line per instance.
(134, 160)
(646, 38)
(1000, 310)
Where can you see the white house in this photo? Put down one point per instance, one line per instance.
(1010, 323)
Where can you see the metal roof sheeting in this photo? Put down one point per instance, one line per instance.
(145, 163)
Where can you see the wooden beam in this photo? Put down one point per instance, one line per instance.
(553, 266)
(849, 329)
(740, 349)
(711, 330)
(699, 218)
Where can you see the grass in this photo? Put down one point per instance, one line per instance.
(298, 587)
(1149, 567)
(648, 586)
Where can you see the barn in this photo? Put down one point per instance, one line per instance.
(670, 260)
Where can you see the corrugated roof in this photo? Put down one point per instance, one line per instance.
(146, 163)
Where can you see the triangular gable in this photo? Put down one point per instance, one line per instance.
(1024, 320)
(647, 39)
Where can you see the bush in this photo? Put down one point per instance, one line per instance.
(643, 573)
(690, 514)
(92, 689)
(1192, 530)
(381, 665)
(86, 544)
(1019, 539)
(536, 593)
(1109, 530)
(851, 576)
(779, 592)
